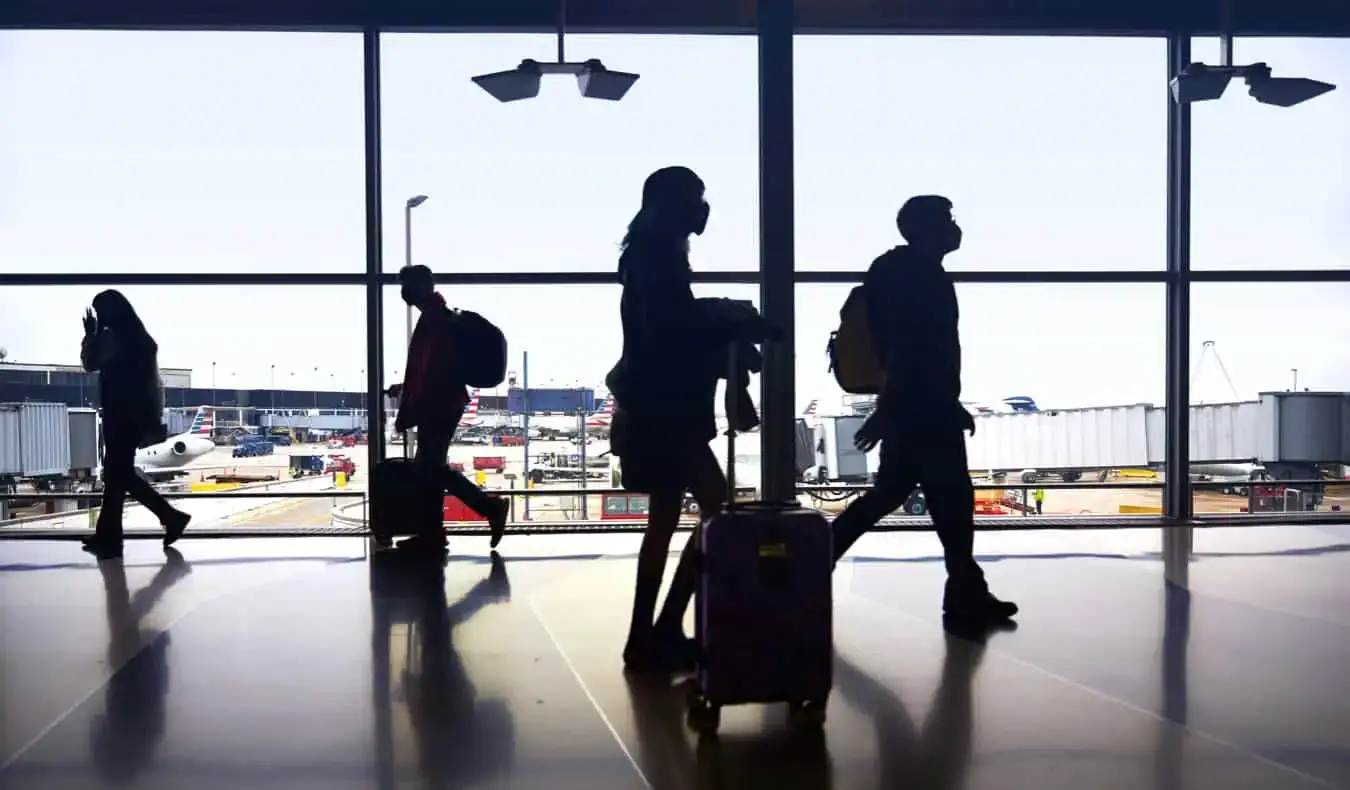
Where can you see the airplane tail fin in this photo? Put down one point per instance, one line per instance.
(471, 411)
(203, 423)
(810, 409)
(606, 415)
(1022, 403)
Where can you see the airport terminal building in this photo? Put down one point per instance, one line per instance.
(1138, 185)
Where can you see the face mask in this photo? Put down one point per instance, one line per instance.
(406, 293)
(700, 220)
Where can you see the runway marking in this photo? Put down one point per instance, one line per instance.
(274, 509)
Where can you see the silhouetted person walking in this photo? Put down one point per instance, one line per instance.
(919, 420)
(117, 346)
(664, 387)
(432, 398)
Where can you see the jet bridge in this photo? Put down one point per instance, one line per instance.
(1289, 433)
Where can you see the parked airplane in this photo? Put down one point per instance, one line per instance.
(599, 424)
(568, 426)
(1016, 404)
(470, 417)
(167, 458)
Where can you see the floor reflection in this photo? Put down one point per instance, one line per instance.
(1168, 771)
(460, 740)
(125, 737)
(673, 757)
(935, 756)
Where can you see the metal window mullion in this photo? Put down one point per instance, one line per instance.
(1177, 504)
(777, 246)
(374, 243)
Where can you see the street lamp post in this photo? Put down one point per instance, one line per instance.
(1295, 372)
(413, 202)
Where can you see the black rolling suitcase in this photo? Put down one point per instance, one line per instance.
(402, 501)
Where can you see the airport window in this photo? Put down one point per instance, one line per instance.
(572, 337)
(1289, 359)
(247, 395)
(151, 152)
(1082, 362)
(547, 184)
(1051, 166)
(1271, 185)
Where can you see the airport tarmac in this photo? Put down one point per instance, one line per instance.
(317, 512)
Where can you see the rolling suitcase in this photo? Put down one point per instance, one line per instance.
(763, 609)
(402, 501)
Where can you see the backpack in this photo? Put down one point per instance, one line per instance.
(853, 358)
(479, 350)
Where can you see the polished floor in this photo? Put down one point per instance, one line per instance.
(274, 663)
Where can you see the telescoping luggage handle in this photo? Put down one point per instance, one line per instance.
(729, 404)
(733, 375)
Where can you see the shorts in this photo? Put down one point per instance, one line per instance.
(658, 463)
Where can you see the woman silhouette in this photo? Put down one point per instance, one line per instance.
(117, 346)
(664, 387)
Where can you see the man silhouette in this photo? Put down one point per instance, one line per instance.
(919, 420)
(432, 398)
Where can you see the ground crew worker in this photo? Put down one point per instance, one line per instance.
(1039, 496)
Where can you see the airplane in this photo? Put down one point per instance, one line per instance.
(568, 426)
(471, 417)
(166, 459)
(1016, 404)
(600, 423)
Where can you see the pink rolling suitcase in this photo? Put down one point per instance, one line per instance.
(763, 610)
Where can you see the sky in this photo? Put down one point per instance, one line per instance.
(242, 152)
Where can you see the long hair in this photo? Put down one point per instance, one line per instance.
(115, 312)
(654, 228)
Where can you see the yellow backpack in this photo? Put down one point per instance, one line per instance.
(853, 359)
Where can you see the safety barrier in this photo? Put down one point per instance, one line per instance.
(350, 520)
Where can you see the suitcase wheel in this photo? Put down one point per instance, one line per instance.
(703, 717)
(808, 714)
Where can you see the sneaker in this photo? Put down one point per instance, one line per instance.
(103, 548)
(976, 606)
(174, 527)
(433, 543)
(500, 509)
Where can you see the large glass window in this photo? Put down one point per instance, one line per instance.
(258, 383)
(548, 184)
(1051, 148)
(1271, 185)
(571, 336)
(1063, 380)
(144, 152)
(1258, 343)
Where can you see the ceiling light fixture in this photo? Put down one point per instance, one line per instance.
(593, 79)
(1202, 82)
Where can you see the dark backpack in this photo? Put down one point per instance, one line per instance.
(479, 350)
(853, 358)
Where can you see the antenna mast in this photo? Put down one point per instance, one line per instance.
(1207, 349)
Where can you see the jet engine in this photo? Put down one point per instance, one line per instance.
(179, 448)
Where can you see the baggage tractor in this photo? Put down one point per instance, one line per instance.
(763, 610)
(402, 501)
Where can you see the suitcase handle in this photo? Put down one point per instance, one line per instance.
(728, 402)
